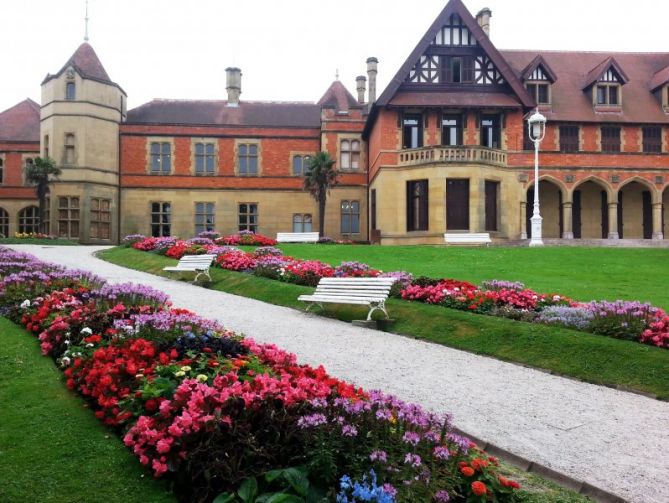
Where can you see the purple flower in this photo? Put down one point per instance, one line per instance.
(442, 496)
(413, 460)
(349, 430)
(411, 437)
(311, 421)
(379, 455)
(441, 452)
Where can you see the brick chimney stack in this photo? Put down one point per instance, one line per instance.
(372, 70)
(483, 19)
(361, 86)
(233, 81)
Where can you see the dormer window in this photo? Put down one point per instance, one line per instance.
(70, 91)
(608, 94)
(538, 78)
(540, 91)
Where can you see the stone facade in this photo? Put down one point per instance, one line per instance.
(225, 153)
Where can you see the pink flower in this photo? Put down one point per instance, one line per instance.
(163, 446)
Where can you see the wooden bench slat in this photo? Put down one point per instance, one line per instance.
(371, 292)
(193, 263)
(297, 237)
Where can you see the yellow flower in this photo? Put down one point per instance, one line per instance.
(202, 378)
(180, 373)
(185, 368)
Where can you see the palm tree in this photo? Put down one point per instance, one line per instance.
(39, 173)
(319, 178)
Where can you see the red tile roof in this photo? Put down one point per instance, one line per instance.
(460, 99)
(659, 79)
(574, 71)
(596, 73)
(20, 123)
(338, 97)
(86, 62)
(216, 113)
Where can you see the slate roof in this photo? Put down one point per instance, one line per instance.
(20, 123)
(217, 113)
(338, 97)
(86, 62)
(460, 99)
(576, 70)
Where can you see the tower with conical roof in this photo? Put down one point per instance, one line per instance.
(80, 115)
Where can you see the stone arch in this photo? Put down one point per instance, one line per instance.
(28, 219)
(656, 194)
(590, 208)
(4, 223)
(551, 197)
(636, 197)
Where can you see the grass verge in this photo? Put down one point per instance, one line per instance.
(31, 241)
(52, 448)
(582, 273)
(592, 358)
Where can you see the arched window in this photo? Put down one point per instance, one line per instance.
(29, 220)
(70, 91)
(350, 154)
(4, 223)
(301, 164)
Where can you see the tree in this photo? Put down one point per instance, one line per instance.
(319, 178)
(39, 173)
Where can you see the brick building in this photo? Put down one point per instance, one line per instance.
(443, 148)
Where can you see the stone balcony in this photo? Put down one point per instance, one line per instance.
(445, 155)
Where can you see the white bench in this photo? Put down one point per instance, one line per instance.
(297, 237)
(371, 292)
(468, 238)
(193, 263)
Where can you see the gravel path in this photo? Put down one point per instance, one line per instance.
(615, 440)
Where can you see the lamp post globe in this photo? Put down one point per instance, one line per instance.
(536, 124)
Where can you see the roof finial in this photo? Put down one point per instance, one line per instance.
(337, 74)
(86, 19)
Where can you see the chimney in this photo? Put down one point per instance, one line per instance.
(372, 70)
(233, 81)
(361, 86)
(483, 19)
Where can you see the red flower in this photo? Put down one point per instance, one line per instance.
(467, 471)
(479, 488)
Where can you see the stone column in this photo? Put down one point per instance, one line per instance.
(657, 221)
(613, 221)
(523, 220)
(567, 231)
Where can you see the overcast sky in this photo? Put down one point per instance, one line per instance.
(288, 50)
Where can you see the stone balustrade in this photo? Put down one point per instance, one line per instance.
(445, 155)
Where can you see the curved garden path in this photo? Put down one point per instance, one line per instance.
(611, 439)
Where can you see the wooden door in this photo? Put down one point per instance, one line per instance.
(457, 204)
(491, 195)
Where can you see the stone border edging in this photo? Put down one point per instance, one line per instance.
(581, 487)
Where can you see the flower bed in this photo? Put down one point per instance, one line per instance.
(624, 320)
(217, 412)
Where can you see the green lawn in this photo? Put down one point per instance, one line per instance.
(52, 448)
(593, 358)
(582, 273)
(31, 241)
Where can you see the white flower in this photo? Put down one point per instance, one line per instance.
(25, 304)
(180, 373)
(89, 345)
(185, 369)
(66, 342)
(86, 331)
(65, 361)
